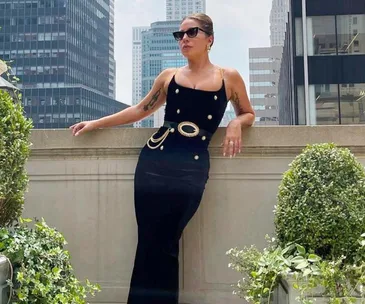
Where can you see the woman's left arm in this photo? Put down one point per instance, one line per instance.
(244, 111)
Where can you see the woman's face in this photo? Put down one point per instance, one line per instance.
(192, 47)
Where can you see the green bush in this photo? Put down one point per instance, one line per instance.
(42, 268)
(14, 151)
(321, 202)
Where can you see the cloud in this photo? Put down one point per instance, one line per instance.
(239, 25)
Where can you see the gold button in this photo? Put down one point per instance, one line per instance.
(215, 97)
(210, 117)
(177, 91)
(172, 130)
(204, 138)
(178, 111)
(161, 148)
(196, 157)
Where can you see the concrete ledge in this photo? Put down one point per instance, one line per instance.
(282, 140)
(84, 187)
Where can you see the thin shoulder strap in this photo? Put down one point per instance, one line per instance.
(176, 71)
(222, 73)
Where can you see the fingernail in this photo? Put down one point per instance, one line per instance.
(239, 151)
(230, 156)
(224, 154)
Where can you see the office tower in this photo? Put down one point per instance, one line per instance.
(178, 9)
(137, 67)
(63, 53)
(264, 79)
(159, 51)
(322, 79)
(278, 20)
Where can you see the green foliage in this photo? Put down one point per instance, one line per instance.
(320, 225)
(43, 272)
(321, 202)
(14, 151)
(338, 280)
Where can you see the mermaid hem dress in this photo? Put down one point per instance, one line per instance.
(170, 178)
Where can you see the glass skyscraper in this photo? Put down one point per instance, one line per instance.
(322, 79)
(159, 51)
(63, 53)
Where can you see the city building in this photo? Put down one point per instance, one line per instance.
(178, 9)
(229, 114)
(159, 51)
(278, 19)
(63, 53)
(265, 65)
(264, 80)
(137, 67)
(112, 63)
(322, 79)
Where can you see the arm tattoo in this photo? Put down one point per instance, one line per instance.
(152, 103)
(236, 102)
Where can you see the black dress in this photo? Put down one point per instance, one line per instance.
(170, 179)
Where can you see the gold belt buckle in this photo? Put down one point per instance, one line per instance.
(190, 124)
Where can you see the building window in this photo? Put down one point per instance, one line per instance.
(322, 39)
(322, 31)
(262, 84)
(352, 103)
(262, 60)
(261, 72)
(325, 101)
(351, 40)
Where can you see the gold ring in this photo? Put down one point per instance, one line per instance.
(190, 124)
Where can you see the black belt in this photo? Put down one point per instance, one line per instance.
(185, 127)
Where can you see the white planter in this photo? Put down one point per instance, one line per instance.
(315, 294)
(4, 275)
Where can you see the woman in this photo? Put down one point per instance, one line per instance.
(173, 166)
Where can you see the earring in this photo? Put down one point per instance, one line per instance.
(208, 48)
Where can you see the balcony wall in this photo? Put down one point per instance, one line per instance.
(84, 187)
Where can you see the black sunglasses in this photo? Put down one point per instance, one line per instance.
(191, 32)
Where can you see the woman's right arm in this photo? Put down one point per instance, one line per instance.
(153, 100)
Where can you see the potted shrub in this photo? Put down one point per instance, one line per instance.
(319, 224)
(38, 268)
(42, 269)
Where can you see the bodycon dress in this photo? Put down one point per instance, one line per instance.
(170, 178)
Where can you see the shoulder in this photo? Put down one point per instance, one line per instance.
(164, 78)
(165, 75)
(233, 79)
(232, 74)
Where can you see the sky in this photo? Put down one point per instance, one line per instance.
(238, 26)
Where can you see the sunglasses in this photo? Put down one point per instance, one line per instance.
(191, 32)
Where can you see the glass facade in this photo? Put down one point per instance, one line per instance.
(332, 35)
(59, 44)
(62, 107)
(334, 91)
(338, 103)
(159, 51)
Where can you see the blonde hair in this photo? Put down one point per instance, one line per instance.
(204, 21)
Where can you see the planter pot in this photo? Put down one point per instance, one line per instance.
(4, 275)
(316, 294)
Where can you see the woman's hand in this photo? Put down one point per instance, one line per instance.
(83, 127)
(232, 140)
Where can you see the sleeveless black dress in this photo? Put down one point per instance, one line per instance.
(170, 179)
